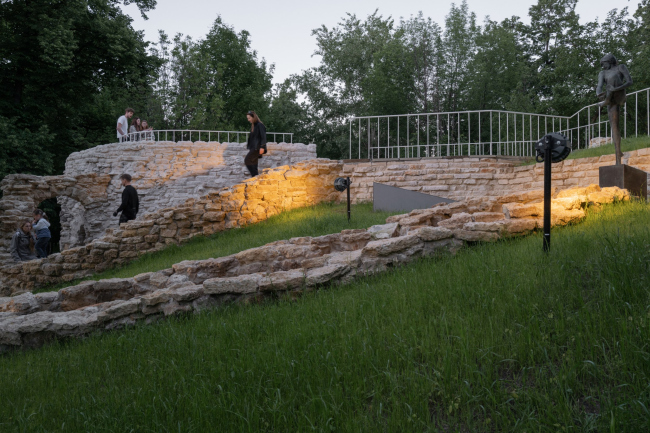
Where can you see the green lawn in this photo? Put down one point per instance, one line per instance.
(627, 145)
(322, 219)
(500, 338)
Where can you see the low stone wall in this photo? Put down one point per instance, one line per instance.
(466, 177)
(165, 174)
(254, 200)
(289, 266)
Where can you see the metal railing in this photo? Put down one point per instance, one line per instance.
(177, 135)
(487, 132)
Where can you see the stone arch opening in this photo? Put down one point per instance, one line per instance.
(73, 223)
(52, 209)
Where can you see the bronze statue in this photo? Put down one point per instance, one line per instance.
(615, 78)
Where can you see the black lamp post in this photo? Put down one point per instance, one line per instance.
(553, 147)
(342, 184)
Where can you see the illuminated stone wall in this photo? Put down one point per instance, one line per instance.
(288, 266)
(462, 178)
(164, 173)
(274, 191)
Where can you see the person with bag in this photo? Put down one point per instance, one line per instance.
(256, 143)
(130, 202)
(41, 226)
(22, 243)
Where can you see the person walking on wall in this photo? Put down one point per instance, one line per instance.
(130, 203)
(22, 243)
(41, 226)
(134, 129)
(123, 125)
(256, 144)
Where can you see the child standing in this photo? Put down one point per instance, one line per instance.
(42, 228)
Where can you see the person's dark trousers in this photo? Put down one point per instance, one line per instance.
(253, 170)
(251, 162)
(125, 218)
(42, 244)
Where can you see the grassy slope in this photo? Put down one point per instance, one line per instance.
(499, 338)
(627, 145)
(317, 220)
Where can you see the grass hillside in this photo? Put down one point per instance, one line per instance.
(500, 338)
(322, 219)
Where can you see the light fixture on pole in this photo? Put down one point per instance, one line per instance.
(343, 184)
(553, 147)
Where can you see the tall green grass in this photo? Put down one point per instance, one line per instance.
(322, 219)
(500, 338)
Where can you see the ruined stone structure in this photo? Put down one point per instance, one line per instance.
(467, 177)
(165, 174)
(253, 200)
(289, 266)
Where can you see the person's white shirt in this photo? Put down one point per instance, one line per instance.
(122, 125)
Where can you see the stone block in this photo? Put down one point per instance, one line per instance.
(238, 285)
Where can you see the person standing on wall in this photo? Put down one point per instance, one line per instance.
(134, 129)
(130, 202)
(123, 125)
(41, 226)
(22, 243)
(256, 144)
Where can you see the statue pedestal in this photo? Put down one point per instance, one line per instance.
(624, 176)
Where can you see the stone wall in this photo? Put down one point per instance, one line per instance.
(273, 191)
(289, 266)
(164, 173)
(467, 177)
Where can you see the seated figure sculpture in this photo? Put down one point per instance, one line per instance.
(614, 78)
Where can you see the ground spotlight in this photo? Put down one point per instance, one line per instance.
(553, 147)
(342, 184)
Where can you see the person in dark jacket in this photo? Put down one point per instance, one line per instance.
(22, 243)
(130, 203)
(256, 144)
(41, 227)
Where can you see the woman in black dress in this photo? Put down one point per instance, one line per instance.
(256, 144)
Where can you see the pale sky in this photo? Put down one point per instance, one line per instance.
(281, 29)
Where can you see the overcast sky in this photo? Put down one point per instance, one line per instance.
(281, 29)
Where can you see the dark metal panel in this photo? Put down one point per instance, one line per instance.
(393, 199)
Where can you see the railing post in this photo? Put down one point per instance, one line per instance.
(350, 122)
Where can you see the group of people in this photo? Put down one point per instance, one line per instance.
(32, 239)
(139, 129)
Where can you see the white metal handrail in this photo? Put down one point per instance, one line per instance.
(485, 132)
(177, 135)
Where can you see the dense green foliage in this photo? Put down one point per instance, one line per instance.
(69, 68)
(500, 338)
(377, 66)
(322, 219)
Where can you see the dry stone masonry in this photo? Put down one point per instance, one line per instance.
(289, 266)
(165, 174)
(275, 190)
(461, 178)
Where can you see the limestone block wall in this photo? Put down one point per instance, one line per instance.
(468, 177)
(164, 173)
(23, 192)
(273, 191)
(288, 266)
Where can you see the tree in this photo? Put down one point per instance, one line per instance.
(67, 70)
